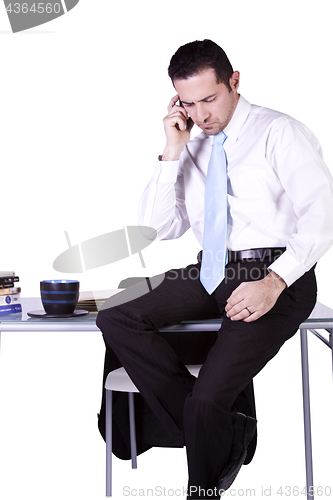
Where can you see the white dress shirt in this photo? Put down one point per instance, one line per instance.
(280, 192)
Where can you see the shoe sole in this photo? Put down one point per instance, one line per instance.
(227, 481)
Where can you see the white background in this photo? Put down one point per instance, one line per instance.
(82, 100)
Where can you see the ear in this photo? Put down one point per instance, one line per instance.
(234, 81)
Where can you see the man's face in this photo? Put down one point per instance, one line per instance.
(209, 104)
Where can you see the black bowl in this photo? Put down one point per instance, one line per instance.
(59, 296)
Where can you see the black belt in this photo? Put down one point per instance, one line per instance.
(256, 253)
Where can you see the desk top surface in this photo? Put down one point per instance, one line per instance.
(321, 317)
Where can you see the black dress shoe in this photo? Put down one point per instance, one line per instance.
(243, 430)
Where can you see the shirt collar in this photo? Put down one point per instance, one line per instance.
(238, 119)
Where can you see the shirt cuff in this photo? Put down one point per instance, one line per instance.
(166, 171)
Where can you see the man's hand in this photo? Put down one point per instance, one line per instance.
(176, 131)
(253, 299)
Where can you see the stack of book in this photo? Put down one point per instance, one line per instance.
(10, 294)
(93, 301)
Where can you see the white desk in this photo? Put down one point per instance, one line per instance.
(320, 318)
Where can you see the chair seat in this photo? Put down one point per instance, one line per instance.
(119, 380)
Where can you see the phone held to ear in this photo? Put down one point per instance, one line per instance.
(189, 121)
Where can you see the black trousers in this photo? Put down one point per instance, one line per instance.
(200, 412)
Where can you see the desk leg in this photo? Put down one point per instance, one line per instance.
(307, 414)
(331, 343)
(108, 436)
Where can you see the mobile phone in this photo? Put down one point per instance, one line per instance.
(189, 122)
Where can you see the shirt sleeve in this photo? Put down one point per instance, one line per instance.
(295, 154)
(162, 204)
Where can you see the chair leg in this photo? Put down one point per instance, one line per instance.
(108, 440)
(307, 414)
(132, 429)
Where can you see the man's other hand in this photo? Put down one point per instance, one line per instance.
(251, 300)
(176, 130)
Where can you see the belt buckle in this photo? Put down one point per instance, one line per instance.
(248, 254)
(265, 253)
(256, 253)
(262, 253)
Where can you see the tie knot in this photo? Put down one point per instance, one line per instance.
(219, 138)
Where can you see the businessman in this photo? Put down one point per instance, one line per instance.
(255, 191)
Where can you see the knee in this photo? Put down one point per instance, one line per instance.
(199, 404)
(119, 318)
(207, 403)
(101, 319)
(106, 318)
(112, 325)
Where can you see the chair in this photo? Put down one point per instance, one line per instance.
(119, 380)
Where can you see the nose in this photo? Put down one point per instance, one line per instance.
(202, 112)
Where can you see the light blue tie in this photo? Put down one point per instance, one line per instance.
(214, 255)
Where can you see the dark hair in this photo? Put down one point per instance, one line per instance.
(194, 57)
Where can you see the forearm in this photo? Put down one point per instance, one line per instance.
(275, 283)
(162, 204)
(171, 153)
